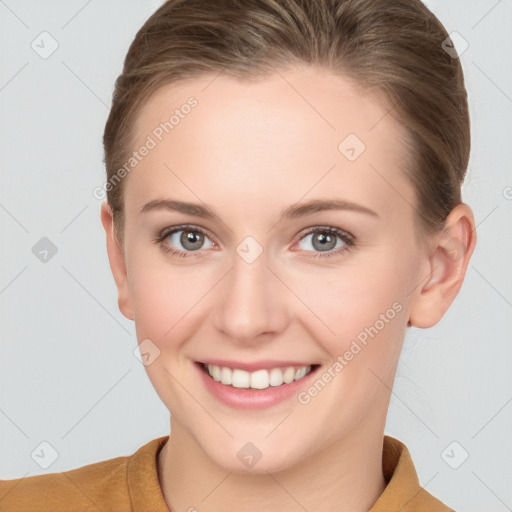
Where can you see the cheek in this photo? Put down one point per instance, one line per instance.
(163, 295)
(361, 308)
(365, 310)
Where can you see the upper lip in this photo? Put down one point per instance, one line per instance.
(255, 365)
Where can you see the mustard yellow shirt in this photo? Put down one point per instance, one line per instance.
(130, 484)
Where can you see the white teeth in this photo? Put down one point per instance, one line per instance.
(260, 379)
(289, 375)
(240, 378)
(301, 372)
(214, 372)
(225, 375)
(276, 377)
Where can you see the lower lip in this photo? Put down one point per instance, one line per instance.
(247, 398)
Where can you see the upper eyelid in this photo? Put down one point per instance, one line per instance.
(329, 229)
(164, 233)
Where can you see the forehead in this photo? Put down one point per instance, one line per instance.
(296, 131)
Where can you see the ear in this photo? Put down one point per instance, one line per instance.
(117, 262)
(448, 259)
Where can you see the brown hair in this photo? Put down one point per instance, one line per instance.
(393, 46)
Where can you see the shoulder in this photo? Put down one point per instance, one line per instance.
(99, 486)
(88, 486)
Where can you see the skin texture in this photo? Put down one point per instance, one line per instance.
(249, 151)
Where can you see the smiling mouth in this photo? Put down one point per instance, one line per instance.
(260, 379)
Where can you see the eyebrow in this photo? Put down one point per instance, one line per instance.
(292, 212)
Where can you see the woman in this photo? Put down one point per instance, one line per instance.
(283, 184)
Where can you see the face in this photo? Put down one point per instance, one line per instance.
(270, 228)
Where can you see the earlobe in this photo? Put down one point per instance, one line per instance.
(117, 262)
(450, 252)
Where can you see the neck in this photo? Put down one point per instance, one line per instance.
(347, 476)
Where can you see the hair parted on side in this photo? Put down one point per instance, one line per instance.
(390, 46)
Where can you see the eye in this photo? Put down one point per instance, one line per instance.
(326, 239)
(321, 241)
(183, 240)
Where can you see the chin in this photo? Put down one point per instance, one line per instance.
(258, 457)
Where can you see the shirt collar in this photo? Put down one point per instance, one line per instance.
(403, 491)
(142, 478)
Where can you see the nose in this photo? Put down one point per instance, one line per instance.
(251, 304)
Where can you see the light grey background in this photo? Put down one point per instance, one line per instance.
(68, 373)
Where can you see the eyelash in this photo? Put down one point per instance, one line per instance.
(347, 238)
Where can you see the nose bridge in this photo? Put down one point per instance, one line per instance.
(251, 303)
